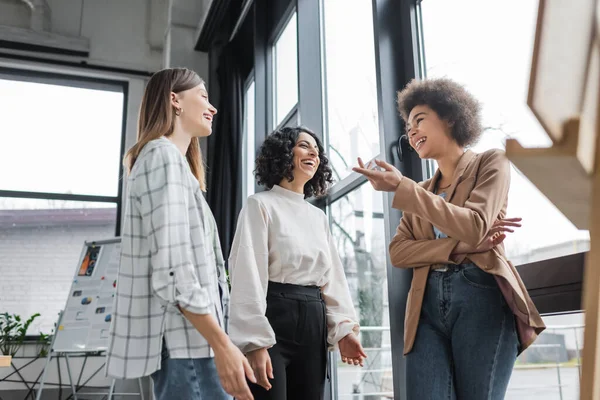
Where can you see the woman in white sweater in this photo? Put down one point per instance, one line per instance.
(289, 295)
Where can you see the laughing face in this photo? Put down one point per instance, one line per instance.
(197, 112)
(306, 157)
(428, 134)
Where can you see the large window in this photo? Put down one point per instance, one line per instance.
(285, 71)
(493, 61)
(551, 367)
(357, 214)
(492, 58)
(358, 229)
(60, 139)
(249, 137)
(350, 83)
(60, 156)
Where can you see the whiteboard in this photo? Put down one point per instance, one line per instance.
(85, 321)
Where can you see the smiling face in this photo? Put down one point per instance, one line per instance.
(197, 112)
(429, 135)
(306, 157)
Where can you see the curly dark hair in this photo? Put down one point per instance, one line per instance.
(275, 161)
(450, 100)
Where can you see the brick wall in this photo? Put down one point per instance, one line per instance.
(37, 265)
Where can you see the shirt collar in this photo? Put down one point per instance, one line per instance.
(287, 193)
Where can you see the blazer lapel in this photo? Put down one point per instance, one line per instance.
(426, 226)
(431, 185)
(463, 162)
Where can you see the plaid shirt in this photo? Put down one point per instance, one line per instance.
(170, 255)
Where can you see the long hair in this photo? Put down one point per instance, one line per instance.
(157, 117)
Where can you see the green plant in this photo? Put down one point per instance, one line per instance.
(13, 331)
(43, 343)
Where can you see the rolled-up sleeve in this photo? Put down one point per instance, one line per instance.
(249, 328)
(341, 315)
(165, 201)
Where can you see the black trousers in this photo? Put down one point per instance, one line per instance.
(299, 359)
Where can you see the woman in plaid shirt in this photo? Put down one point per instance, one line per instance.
(172, 298)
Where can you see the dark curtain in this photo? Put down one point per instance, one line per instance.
(224, 147)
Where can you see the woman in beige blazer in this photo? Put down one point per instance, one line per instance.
(468, 314)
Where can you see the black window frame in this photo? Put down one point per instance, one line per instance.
(399, 51)
(78, 81)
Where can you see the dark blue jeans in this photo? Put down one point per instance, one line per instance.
(466, 343)
(187, 378)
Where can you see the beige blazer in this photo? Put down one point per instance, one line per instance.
(477, 196)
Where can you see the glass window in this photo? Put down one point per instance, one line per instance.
(60, 138)
(493, 61)
(551, 367)
(351, 84)
(285, 71)
(61, 135)
(249, 141)
(358, 230)
(40, 245)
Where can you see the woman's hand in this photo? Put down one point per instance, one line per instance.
(260, 361)
(494, 237)
(351, 350)
(386, 180)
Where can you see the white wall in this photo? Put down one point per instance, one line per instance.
(126, 34)
(14, 13)
(130, 34)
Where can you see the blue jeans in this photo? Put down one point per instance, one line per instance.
(466, 343)
(187, 378)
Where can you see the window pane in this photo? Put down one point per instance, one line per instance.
(358, 230)
(285, 56)
(350, 84)
(40, 245)
(494, 64)
(550, 368)
(249, 141)
(60, 139)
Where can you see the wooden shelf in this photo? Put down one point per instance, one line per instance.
(558, 174)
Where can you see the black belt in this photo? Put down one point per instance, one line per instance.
(288, 288)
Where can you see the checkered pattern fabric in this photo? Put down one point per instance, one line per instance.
(170, 256)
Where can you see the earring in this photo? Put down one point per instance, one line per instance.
(178, 111)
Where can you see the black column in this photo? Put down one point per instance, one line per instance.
(263, 102)
(397, 63)
(310, 80)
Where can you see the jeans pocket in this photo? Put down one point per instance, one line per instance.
(478, 278)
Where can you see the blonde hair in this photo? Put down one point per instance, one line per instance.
(157, 117)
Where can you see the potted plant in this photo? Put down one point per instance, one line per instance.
(13, 331)
(43, 343)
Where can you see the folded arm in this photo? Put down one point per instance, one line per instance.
(407, 252)
(469, 224)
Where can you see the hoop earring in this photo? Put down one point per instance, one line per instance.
(178, 111)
